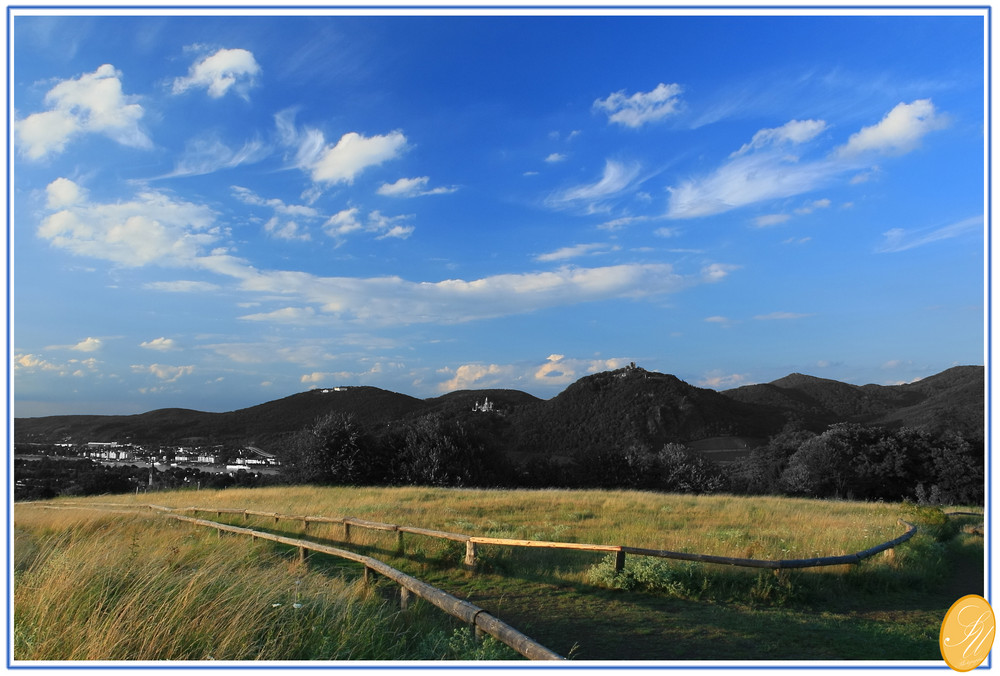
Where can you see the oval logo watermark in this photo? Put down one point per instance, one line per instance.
(967, 633)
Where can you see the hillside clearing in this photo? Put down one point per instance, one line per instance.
(889, 607)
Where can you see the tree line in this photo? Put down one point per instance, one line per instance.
(847, 460)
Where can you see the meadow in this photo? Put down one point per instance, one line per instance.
(124, 585)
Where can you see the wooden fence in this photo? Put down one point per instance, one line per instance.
(473, 541)
(474, 616)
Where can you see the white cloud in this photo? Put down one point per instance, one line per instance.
(152, 228)
(160, 344)
(898, 239)
(286, 315)
(762, 171)
(720, 380)
(354, 153)
(747, 179)
(87, 345)
(556, 371)
(341, 162)
(226, 69)
(394, 301)
(794, 132)
(900, 131)
(93, 103)
(208, 154)
(168, 374)
(574, 252)
(282, 224)
(770, 219)
(813, 206)
(349, 221)
(31, 362)
(555, 157)
(62, 193)
(616, 178)
(641, 107)
(182, 286)
(412, 187)
(716, 272)
(477, 376)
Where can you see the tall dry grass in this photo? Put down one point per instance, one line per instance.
(100, 586)
(751, 527)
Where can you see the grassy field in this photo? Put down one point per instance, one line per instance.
(92, 585)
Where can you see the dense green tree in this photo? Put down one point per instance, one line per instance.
(335, 450)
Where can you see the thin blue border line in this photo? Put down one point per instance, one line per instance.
(570, 664)
(511, 7)
(10, 419)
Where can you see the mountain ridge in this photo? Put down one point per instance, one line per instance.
(625, 406)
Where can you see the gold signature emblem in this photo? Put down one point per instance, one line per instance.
(967, 633)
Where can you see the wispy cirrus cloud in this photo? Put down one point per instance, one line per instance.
(764, 170)
(413, 187)
(576, 251)
(208, 154)
(899, 239)
(93, 103)
(616, 178)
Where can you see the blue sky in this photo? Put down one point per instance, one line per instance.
(213, 212)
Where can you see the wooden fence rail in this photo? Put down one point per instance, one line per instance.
(472, 541)
(473, 615)
(620, 551)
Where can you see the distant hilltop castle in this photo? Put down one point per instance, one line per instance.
(485, 407)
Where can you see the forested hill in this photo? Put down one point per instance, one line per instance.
(952, 400)
(621, 407)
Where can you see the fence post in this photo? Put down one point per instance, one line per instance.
(399, 541)
(302, 555)
(347, 532)
(619, 561)
(470, 555)
(404, 598)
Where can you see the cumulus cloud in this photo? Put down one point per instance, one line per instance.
(159, 344)
(717, 380)
(88, 345)
(283, 224)
(413, 187)
(226, 69)
(151, 228)
(900, 131)
(641, 107)
(92, 103)
(478, 375)
(349, 221)
(168, 374)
